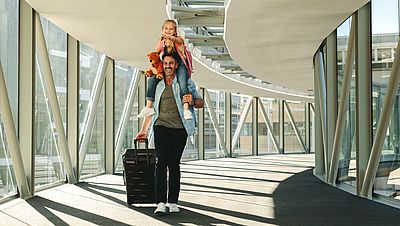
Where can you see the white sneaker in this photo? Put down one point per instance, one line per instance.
(187, 115)
(161, 208)
(173, 208)
(145, 112)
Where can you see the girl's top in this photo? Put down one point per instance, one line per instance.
(184, 54)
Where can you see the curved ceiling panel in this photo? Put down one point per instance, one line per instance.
(276, 40)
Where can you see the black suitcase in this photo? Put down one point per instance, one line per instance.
(138, 174)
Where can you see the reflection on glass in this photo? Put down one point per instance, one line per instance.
(89, 64)
(244, 142)
(124, 78)
(9, 63)
(49, 167)
(385, 36)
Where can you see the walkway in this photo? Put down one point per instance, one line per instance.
(258, 190)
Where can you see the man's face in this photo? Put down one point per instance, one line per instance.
(169, 65)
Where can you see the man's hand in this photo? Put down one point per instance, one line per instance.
(188, 99)
(141, 135)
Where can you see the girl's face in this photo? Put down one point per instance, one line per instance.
(169, 29)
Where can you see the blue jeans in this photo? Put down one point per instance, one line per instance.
(182, 76)
(151, 88)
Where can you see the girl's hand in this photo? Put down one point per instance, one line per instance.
(167, 37)
(154, 70)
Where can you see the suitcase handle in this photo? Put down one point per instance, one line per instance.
(146, 141)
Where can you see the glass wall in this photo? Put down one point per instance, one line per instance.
(48, 158)
(212, 146)
(265, 143)
(385, 36)
(292, 143)
(347, 162)
(124, 81)
(9, 63)
(89, 65)
(243, 145)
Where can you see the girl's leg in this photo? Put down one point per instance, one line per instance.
(150, 95)
(183, 76)
(151, 88)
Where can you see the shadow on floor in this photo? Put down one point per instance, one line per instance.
(42, 205)
(305, 200)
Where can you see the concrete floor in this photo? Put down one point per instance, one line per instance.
(257, 190)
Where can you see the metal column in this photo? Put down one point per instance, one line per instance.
(331, 94)
(255, 126)
(201, 129)
(307, 127)
(320, 163)
(281, 127)
(363, 93)
(109, 118)
(228, 123)
(26, 93)
(73, 100)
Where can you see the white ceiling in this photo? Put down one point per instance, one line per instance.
(274, 40)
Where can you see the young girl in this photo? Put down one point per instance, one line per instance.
(170, 42)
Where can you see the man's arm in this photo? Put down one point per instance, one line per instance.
(195, 100)
(145, 126)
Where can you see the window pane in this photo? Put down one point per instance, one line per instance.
(385, 36)
(48, 158)
(124, 78)
(292, 143)
(9, 64)
(244, 142)
(89, 65)
(212, 146)
(346, 172)
(265, 143)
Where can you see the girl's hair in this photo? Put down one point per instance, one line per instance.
(173, 22)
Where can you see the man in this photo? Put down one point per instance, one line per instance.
(170, 133)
